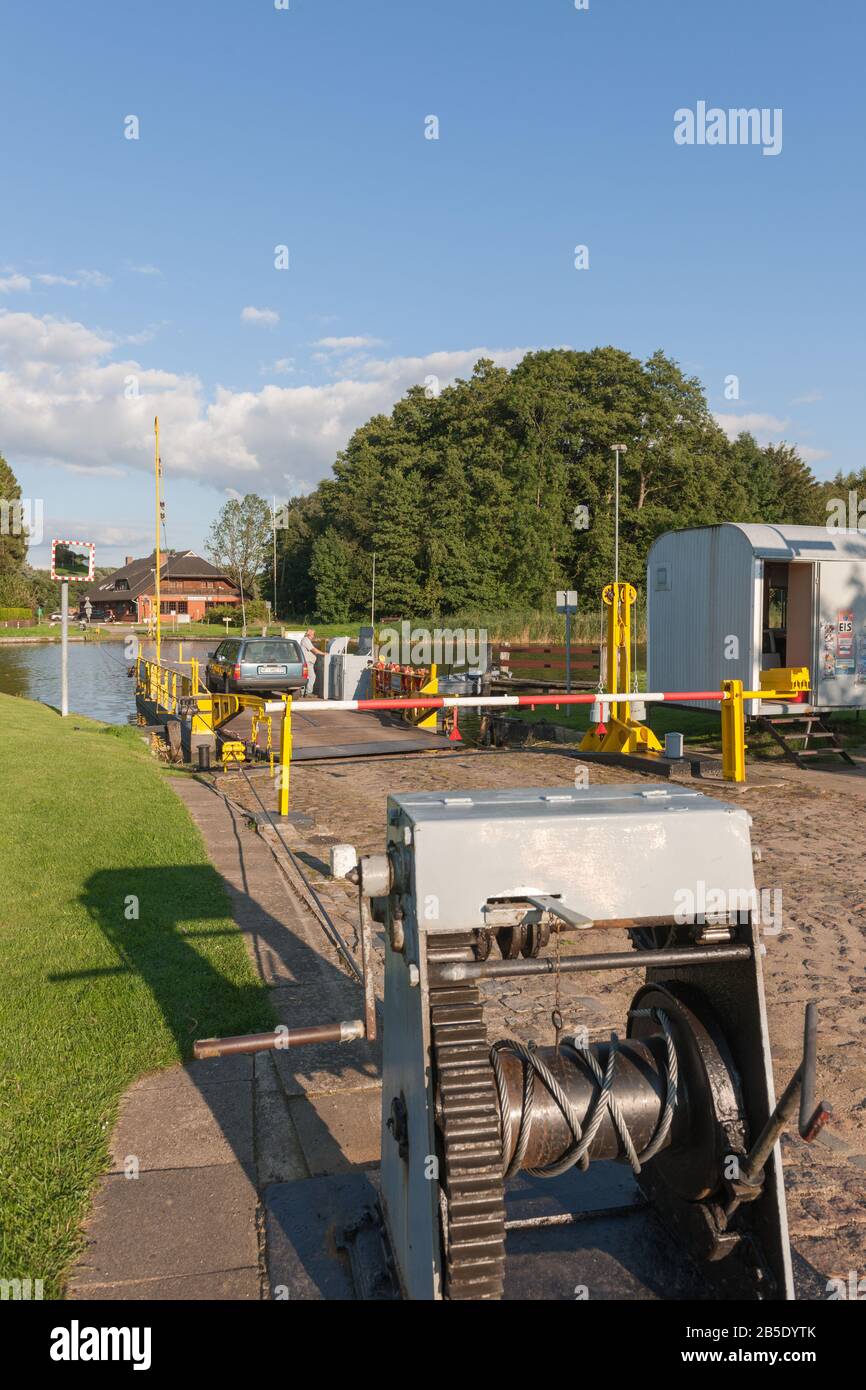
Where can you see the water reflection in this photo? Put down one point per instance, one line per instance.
(98, 683)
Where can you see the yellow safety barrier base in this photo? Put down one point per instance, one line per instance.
(431, 688)
(621, 733)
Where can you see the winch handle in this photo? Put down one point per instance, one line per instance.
(812, 1117)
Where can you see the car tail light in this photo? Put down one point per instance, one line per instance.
(305, 673)
(237, 673)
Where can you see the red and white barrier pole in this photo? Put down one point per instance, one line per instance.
(501, 701)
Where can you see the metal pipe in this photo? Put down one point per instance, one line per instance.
(366, 934)
(810, 1061)
(280, 1039)
(453, 972)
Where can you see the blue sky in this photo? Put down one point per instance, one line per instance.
(305, 127)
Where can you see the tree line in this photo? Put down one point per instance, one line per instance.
(496, 491)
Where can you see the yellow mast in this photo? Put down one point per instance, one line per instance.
(157, 554)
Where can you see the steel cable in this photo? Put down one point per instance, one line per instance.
(604, 1102)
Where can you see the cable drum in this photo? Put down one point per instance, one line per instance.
(606, 1100)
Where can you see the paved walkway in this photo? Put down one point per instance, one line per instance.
(206, 1139)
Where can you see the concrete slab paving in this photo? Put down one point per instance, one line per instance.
(279, 1152)
(208, 1125)
(339, 1133)
(171, 1222)
(228, 1285)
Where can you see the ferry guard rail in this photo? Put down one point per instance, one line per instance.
(186, 697)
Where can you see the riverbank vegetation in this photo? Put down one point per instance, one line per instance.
(117, 950)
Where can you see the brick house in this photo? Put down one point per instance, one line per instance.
(188, 586)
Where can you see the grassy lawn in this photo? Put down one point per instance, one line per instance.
(48, 632)
(697, 726)
(92, 998)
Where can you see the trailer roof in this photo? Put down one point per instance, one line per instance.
(799, 542)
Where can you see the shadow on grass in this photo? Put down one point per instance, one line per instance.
(174, 947)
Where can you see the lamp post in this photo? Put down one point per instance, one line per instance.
(618, 449)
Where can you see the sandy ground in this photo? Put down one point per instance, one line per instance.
(810, 828)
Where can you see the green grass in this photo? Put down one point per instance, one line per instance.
(90, 998)
(48, 632)
(696, 726)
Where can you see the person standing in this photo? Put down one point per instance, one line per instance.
(311, 651)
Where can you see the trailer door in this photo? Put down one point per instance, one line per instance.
(841, 635)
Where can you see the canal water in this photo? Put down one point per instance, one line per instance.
(98, 683)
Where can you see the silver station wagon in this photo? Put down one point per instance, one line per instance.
(250, 665)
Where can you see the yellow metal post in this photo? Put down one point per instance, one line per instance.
(285, 758)
(733, 732)
(430, 688)
(157, 555)
(622, 734)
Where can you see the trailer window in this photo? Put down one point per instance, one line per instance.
(662, 580)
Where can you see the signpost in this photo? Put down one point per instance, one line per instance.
(566, 602)
(69, 560)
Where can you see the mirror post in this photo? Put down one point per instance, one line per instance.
(64, 648)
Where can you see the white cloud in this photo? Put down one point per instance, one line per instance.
(145, 335)
(810, 455)
(284, 366)
(758, 425)
(91, 279)
(267, 317)
(809, 398)
(768, 429)
(14, 284)
(95, 470)
(146, 269)
(347, 344)
(64, 400)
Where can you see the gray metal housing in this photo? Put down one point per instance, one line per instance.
(606, 852)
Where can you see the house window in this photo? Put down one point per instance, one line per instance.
(172, 606)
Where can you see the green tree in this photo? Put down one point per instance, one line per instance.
(476, 497)
(330, 570)
(239, 543)
(13, 533)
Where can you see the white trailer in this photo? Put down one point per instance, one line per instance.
(728, 602)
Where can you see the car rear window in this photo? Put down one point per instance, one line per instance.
(270, 651)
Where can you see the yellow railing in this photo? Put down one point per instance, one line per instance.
(180, 694)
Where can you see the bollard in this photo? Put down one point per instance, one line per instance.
(204, 757)
(733, 732)
(285, 758)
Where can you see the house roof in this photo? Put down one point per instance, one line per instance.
(139, 575)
